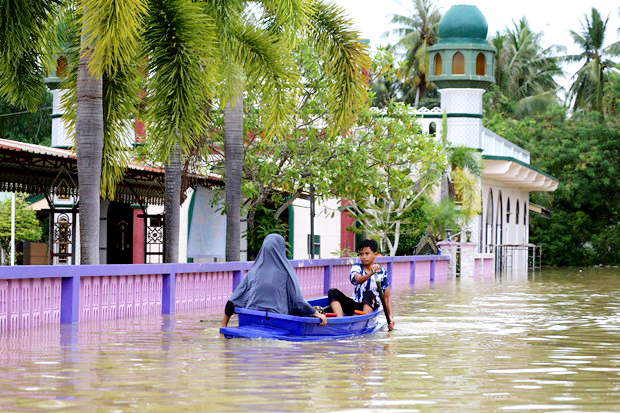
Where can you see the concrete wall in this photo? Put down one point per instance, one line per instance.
(41, 295)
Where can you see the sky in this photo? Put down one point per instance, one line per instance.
(552, 17)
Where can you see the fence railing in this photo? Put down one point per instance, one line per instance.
(35, 295)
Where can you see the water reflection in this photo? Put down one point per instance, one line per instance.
(547, 343)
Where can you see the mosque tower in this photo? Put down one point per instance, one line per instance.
(461, 65)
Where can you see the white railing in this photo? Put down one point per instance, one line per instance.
(495, 145)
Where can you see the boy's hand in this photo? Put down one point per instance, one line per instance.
(375, 267)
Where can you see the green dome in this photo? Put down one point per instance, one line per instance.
(463, 23)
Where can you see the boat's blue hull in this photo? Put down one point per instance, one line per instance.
(263, 324)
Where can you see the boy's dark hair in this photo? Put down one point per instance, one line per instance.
(370, 243)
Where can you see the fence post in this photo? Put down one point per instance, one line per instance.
(168, 293)
(236, 279)
(389, 270)
(412, 272)
(433, 262)
(70, 299)
(327, 278)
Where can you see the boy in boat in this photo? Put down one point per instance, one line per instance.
(365, 295)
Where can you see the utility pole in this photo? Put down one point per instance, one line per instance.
(311, 221)
(12, 228)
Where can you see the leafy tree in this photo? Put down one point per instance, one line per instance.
(588, 88)
(583, 152)
(396, 165)
(27, 226)
(417, 32)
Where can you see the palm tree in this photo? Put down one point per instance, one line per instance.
(524, 71)
(417, 31)
(266, 44)
(589, 82)
(26, 29)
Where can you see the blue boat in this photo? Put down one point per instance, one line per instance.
(270, 325)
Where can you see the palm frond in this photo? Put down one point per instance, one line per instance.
(286, 17)
(178, 41)
(346, 61)
(114, 28)
(467, 188)
(25, 29)
(268, 67)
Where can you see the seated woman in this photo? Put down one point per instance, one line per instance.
(271, 285)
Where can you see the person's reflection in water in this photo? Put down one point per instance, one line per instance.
(271, 285)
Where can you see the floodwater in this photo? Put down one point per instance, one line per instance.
(549, 342)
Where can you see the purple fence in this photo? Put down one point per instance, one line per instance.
(38, 295)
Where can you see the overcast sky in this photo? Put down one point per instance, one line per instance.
(553, 17)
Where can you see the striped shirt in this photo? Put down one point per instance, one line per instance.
(369, 284)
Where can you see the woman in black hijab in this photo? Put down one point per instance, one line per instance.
(271, 285)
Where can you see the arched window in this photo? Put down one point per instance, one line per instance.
(489, 222)
(481, 64)
(517, 216)
(432, 128)
(438, 69)
(508, 211)
(499, 222)
(458, 64)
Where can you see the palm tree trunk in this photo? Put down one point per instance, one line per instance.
(233, 152)
(172, 206)
(89, 142)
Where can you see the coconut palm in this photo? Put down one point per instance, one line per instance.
(417, 31)
(588, 86)
(524, 71)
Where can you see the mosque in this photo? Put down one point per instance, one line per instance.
(461, 65)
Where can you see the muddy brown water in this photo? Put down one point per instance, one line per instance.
(547, 342)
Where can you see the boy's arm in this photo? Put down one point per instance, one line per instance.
(361, 278)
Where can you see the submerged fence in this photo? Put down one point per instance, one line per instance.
(37, 295)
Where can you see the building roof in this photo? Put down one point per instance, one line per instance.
(463, 24)
(33, 169)
(514, 173)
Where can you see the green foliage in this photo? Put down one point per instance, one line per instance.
(30, 127)
(264, 224)
(27, 226)
(25, 33)
(584, 154)
(394, 165)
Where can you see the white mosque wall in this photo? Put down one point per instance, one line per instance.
(505, 221)
(461, 100)
(495, 145)
(60, 133)
(325, 225)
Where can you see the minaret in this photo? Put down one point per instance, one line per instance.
(461, 65)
